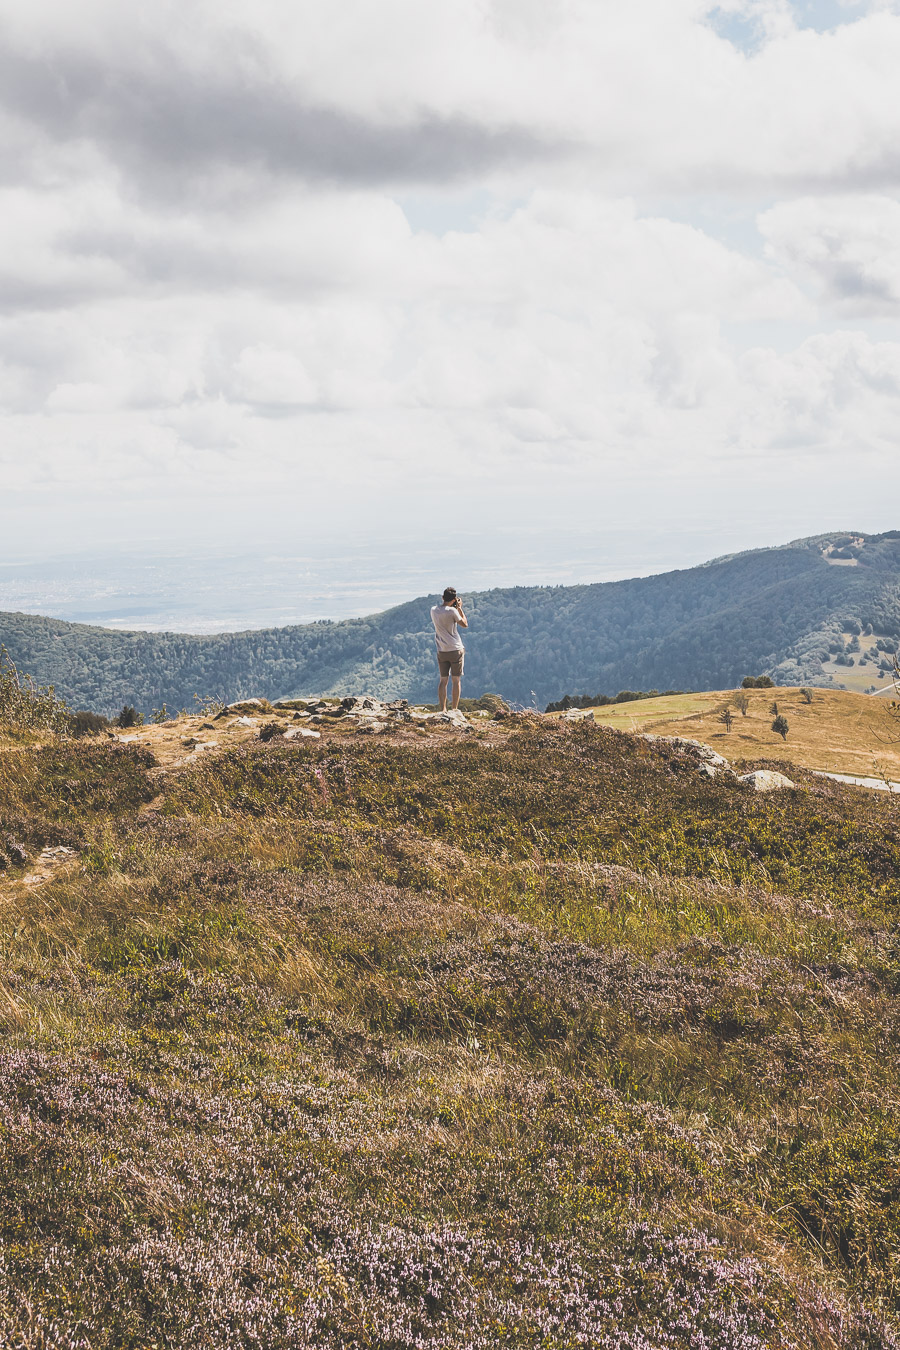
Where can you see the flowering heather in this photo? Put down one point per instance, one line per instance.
(532, 1039)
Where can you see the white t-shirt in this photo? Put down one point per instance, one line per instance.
(446, 633)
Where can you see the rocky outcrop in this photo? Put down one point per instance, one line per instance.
(370, 715)
(710, 764)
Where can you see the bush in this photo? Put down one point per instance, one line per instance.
(27, 706)
(757, 682)
(780, 725)
(486, 703)
(12, 852)
(88, 724)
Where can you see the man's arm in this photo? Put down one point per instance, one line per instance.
(461, 619)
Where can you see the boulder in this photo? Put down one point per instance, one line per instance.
(294, 733)
(712, 763)
(360, 704)
(765, 780)
(578, 715)
(451, 717)
(371, 728)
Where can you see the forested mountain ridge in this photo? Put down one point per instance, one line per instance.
(795, 612)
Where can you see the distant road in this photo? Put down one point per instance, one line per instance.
(880, 784)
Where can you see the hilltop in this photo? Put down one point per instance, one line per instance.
(442, 1034)
(823, 611)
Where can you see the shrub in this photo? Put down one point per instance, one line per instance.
(85, 723)
(486, 703)
(757, 682)
(25, 705)
(12, 852)
(780, 725)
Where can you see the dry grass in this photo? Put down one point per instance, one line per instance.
(838, 732)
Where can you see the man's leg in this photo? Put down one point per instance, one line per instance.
(457, 686)
(442, 692)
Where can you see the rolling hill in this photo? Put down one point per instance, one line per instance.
(831, 730)
(822, 611)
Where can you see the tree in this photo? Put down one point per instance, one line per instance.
(806, 695)
(774, 710)
(741, 702)
(130, 717)
(726, 717)
(781, 726)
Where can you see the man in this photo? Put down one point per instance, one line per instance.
(448, 618)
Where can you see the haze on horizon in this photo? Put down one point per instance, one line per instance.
(517, 286)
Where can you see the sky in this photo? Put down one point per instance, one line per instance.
(500, 283)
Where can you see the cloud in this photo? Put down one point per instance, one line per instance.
(209, 102)
(163, 115)
(209, 285)
(847, 249)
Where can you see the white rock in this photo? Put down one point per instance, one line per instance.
(293, 733)
(243, 722)
(578, 715)
(764, 780)
(696, 748)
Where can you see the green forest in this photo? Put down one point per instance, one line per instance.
(783, 611)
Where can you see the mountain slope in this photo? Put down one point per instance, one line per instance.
(792, 611)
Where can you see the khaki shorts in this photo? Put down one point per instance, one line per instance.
(451, 663)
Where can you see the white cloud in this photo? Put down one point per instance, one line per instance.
(207, 276)
(847, 248)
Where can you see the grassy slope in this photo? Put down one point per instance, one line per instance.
(838, 732)
(525, 1038)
